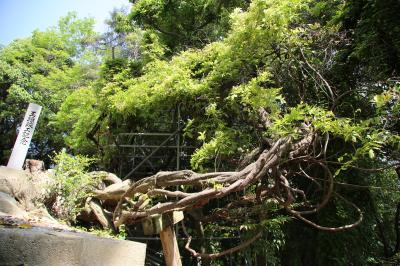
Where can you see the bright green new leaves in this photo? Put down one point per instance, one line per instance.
(308, 64)
(221, 85)
(42, 69)
(254, 95)
(163, 84)
(77, 116)
(72, 184)
(364, 138)
(76, 33)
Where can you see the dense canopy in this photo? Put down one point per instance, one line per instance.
(291, 106)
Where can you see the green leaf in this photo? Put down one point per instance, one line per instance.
(202, 136)
(371, 154)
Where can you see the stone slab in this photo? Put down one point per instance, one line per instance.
(52, 247)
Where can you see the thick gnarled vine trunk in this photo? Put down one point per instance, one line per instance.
(284, 160)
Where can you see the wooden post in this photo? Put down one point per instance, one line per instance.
(170, 247)
(163, 225)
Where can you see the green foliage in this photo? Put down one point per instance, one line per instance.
(104, 232)
(72, 183)
(210, 74)
(376, 38)
(112, 67)
(330, 66)
(246, 222)
(225, 143)
(44, 69)
(77, 116)
(183, 24)
(76, 33)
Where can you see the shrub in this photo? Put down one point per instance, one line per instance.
(73, 184)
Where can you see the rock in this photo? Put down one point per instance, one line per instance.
(27, 188)
(49, 247)
(9, 206)
(30, 236)
(34, 166)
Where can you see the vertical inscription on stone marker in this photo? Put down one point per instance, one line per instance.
(25, 134)
(25, 137)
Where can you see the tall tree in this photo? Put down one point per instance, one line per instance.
(184, 24)
(44, 69)
(296, 127)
